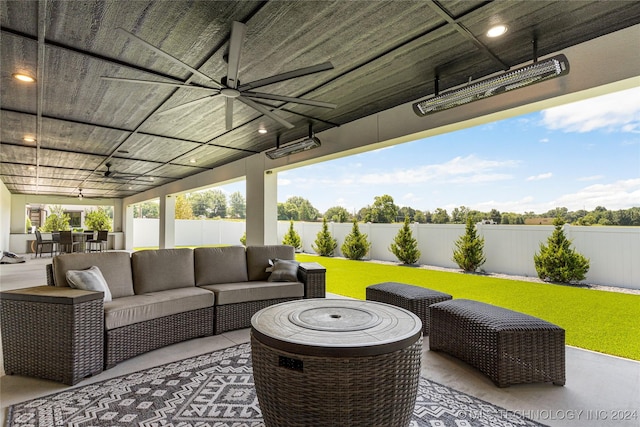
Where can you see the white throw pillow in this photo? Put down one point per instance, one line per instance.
(90, 279)
(284, 270)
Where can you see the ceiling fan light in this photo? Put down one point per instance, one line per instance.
(296, 147)
(537, 72)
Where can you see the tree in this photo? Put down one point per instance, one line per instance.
(355, 244)
(404, 246)
(300, 209)
(324, 244)
(469, 249)
(183, 208)
(98, 220)
(440, 216)
(292, 238)
(420, 217)
(407, 212)
(56, 221)
(557, 262)
(337, 214)
(146, 210)
(383, 210)
(209, 204)
(237, 206)
(495, 216)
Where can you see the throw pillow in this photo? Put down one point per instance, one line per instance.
(284, 270)
(90, 279)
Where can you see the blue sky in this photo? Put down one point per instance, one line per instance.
(578, 155)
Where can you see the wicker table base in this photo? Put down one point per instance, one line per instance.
(52, 333)
(313, 370)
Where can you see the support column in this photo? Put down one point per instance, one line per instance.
(167, 223)
(128, 228)
(262, 203)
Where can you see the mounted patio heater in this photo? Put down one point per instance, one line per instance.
(539, 71)
(303, 145)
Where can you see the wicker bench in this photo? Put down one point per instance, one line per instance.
(413, 298)
(509, 347)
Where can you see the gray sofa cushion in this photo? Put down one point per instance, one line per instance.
(162, 269)
(226, 264)
(258, 259)
(231, 293)
(115, 267)
(139, 308)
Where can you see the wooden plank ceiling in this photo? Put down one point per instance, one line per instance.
(384, 53)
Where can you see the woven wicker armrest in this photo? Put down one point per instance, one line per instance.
(313, 275)
(50, 279)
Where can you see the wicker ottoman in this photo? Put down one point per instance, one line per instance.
(509, 347)
(320, 362)
(413, 298)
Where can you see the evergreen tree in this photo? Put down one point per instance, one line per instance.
(292, 238)
(355, 244)
(183, 208)
(469, 249)
(557, 262)
(404, 246)
(325, 244)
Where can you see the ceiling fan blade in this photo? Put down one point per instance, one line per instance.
(151, 82)
(287, 76)
(229, 113)
(304, 101)
(186, 105)
(265, 111)
(169, 57)
(238, 31)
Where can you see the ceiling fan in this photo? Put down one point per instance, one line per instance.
(229, 87)
(110, 174)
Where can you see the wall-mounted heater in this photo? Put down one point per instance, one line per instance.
(539, 71)
(295, 147)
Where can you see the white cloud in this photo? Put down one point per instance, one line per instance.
(540, 177)
(619, 111)
(618, 195)
(545, 140)
(459, 169)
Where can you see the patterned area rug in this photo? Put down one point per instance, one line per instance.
(216, 390)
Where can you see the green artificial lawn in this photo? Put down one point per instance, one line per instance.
(606, 322)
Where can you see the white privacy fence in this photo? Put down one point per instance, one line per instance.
(614, 252)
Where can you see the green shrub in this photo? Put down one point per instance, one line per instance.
(469, 253)
(56, 221)
(292, 238)
(97, 220)
(404, 246)
(557, 262)
(355, 244)
(325, 244)
(28, 225)
(243, 239)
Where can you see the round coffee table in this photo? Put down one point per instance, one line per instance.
(336, 362)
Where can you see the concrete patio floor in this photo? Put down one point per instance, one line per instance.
(601, 390)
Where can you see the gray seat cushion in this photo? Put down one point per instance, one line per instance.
(258, 259)
(225, 264)
(139, 308)
(114, 266)
(162, 269)
(232, 293)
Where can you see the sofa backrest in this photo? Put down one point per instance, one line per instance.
(162, 269)
(226, 264)
(258, 259)
(114, 266)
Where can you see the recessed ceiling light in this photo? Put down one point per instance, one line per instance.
(23, 77)
(31, 168)
(29, 138)
(263, 131)
(192, 160)
(497, 31)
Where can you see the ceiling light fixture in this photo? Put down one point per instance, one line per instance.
(295, 147)
(23, 77)
(262, 131)
(497, 31)
(29, 138)
(192, 160)
(550, 68)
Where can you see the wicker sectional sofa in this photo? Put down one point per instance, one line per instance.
(160, 297)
